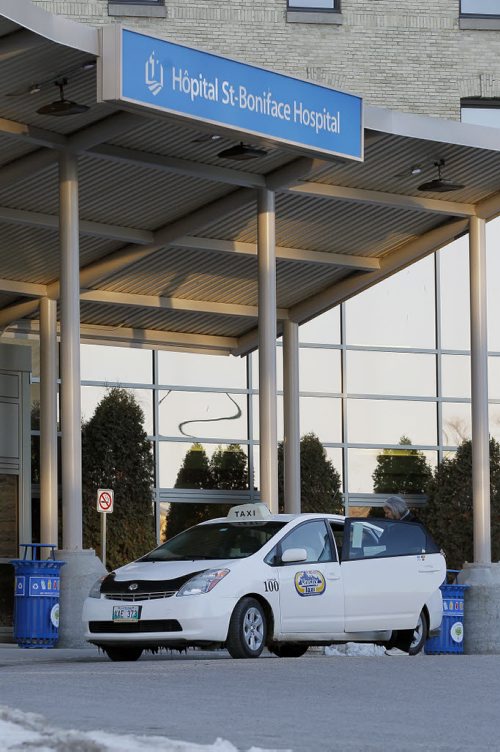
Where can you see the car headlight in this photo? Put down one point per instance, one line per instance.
(95, 590)
(203, 582)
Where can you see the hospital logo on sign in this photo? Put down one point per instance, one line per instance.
(310, 582)
(154, 74)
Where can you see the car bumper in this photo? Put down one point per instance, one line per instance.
(188, 620)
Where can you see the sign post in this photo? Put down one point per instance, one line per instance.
(105, 500)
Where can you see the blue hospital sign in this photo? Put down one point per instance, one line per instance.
(178, 80)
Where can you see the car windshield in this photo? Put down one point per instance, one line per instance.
(218, 540)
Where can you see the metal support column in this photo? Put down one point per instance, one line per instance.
(267, 349)
(71, 460)
(479, 393)
(48, 421)
(291, 417)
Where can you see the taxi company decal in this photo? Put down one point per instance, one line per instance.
(310, 582)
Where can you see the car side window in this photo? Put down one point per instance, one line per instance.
(314, 537)
(337, 529)
(368, 539)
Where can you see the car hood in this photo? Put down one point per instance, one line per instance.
(167, 570)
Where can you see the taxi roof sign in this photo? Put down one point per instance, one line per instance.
(249, 512)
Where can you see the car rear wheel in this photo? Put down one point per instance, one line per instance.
(419, 635)
(123, 653)
(289, 650)
(247, 632)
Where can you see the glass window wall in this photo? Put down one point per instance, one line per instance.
(455, 295)
(386, 421)
(117, 365)
(398, 312)
(391, 373)
(213, 415)
(190, 369)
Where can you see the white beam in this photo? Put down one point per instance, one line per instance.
(29, 289)
(380, 198)
(138, 338)
(489, 207)
(146, 237)
(18, 43)
(178, 166)
(96, 229)
(290, 254)
(174, 304)
(157, 338)
(80, 141)
(32, 135)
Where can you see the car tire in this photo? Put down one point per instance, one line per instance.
(247, 631)
(289, 650)
(123, 653)
(419, 635)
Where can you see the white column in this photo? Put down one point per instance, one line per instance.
(479, 392)
(267, 349)
(291, 447)
(48, 421)
(71, 460)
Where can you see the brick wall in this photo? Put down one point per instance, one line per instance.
(409, 56)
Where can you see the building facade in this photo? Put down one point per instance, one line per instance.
(391, 366)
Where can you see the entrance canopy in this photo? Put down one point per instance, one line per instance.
(168, 225)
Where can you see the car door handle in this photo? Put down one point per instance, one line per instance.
(429, 569)
(333, 577)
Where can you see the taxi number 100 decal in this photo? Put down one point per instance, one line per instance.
(271, 586)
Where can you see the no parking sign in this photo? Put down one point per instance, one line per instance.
(105, 498)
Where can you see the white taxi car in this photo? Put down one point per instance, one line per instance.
(253, 580)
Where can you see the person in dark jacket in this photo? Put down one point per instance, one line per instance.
(395, 508)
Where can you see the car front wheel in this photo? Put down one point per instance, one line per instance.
(419, 635)
(247, 632)
(123, 653)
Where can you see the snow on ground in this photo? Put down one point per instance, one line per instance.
(355, 648)
(20, 730)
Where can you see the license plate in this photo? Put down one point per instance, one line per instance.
(125, 613)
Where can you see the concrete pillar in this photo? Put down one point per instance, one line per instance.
(48, 421)
(482, 598)
(291, 453)
(82, 567)
(479, 393)
(266, 248)
(71, 449)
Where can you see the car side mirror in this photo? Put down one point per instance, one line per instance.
(293, 554)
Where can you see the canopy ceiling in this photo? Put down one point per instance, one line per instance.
(168, 228)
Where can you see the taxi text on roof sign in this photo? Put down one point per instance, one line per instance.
(178, 80)
(246, 512)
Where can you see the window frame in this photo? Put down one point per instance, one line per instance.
(307, 9)
(468, 14)
(154, 3)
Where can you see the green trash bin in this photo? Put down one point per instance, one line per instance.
(36, 597)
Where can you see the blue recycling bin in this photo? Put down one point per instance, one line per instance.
(36, 597)
(451, 637)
